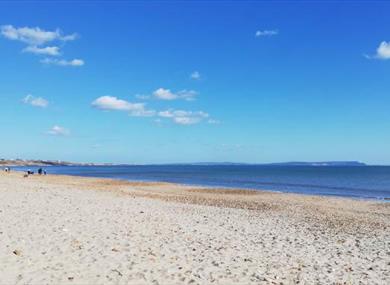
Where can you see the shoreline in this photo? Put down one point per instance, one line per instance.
(352, 197)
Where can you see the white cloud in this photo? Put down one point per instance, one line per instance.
(166, 94)
(383, 51)
(34, 36)
(58, 131)
(54, 51)
(267, 33)
(184, 117)
(110, 103)
(113, 103)
(63, 62)
(35, 101)
(195, 75)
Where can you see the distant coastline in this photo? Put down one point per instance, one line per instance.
(38, 162)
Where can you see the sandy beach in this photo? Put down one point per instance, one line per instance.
(73, 230)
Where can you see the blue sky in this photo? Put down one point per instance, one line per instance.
(162, 82)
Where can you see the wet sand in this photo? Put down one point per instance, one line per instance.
(74, 230)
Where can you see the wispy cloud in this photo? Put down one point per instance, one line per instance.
(58, 131)
(195, 75)
(187, 120)
(142, 97)
(110, 103)
(62, 62)
(213, 122)
(266, 33)
(184, 117)
(70, 37)
(35, 101)
(34, 36)
(37, 39)
(53, 51)
(181, 117)
(167, 94)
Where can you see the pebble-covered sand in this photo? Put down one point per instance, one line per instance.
(68, 230)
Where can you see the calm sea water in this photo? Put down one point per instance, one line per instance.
(370, 182)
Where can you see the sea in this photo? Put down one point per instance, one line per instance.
(361, 182)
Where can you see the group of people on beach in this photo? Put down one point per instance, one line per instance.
(40, 172)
